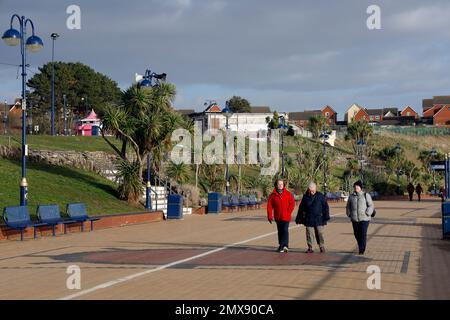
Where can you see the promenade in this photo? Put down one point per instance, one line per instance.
(231, 256)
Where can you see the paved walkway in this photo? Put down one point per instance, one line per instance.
(231, 256)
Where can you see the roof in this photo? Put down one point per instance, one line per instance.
(185, 111)
(441, 100)
(213, 108)
(92, 116)
(304, 115)
(260, 109)
(374, 112)
(427, 104)
(404, 109)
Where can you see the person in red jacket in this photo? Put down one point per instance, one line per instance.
(280, 205)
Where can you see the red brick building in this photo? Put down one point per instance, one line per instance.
(301, 119)
(409, 112)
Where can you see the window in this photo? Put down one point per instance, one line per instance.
(377, 117)
(408, 114)
(327, 114)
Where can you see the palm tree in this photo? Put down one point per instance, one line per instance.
(144, 122)
(317, 124)
(179, 172)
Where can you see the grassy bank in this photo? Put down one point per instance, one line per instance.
(60, 185)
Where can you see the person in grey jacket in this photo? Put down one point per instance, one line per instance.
(359, 209)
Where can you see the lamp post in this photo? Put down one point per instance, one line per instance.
(54, 36)
(5, 118)
(398, 149)
(13, 37)
(147, 81)
(65, 113)
(433, 154)
(227, 113)
(282, 126)
(85, 100)
(324, 136)
(361, 145)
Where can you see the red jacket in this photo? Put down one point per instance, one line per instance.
(282, 204)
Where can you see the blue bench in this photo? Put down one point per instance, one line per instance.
(243, 202)
(50, 215)
(253, 201)
(234, 201)
(77, 212)
(18, 217)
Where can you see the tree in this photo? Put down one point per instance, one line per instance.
(317, 124)
(179, 172)
(76, 81)
(239, 105)
(358, 131)
(274, 122)
(144, 122)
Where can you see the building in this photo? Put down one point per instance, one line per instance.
(351, 112)
(436, 111)
(387, 116)
(409, 112)
(89, 126)
(213, 119)
(301, 118)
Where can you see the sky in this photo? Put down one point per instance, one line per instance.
(290, 55)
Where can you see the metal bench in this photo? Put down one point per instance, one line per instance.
(252, 199)
(243, 202)
(226, 202)
(78, 213)
(235, 201)
(18, 217)
(51, 215)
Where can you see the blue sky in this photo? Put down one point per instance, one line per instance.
(290, 55)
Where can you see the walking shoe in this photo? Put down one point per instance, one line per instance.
(361, 253)
(285, 249)
(309, 250)
(279, 249)
(322, 249)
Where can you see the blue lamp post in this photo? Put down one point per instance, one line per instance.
(54, 36)
(147, 81)
(227, 113)
(282, 126)
(13, 37)
(324, 136)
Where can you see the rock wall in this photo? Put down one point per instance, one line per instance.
(99, 162)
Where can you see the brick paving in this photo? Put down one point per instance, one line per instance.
(155, 260)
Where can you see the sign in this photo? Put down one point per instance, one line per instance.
(437, 165)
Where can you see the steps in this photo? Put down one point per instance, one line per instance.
(159, 200)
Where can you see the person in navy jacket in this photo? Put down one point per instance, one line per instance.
(280, 206)
(313, 213)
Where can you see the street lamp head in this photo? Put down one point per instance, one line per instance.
(145, 83)
(54, 36)
(34, 43)
(11, 37)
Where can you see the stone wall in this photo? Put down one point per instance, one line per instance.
(98, 161)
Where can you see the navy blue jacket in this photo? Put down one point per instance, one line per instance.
(313, 210)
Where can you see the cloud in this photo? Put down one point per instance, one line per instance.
(289, 54)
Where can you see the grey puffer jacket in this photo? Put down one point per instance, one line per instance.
(360, 206)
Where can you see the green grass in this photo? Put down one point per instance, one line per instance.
(62, 143)
(60, 185)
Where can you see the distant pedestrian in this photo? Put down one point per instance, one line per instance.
(419, 191)
(313, 213)
(442, 194)
(360, 209)
(280, 206)
(411, 190)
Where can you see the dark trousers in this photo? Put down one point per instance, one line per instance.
(418, 195)
(360, 232)
(410, 196)
(283, 233)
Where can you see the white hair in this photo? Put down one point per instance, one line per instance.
(312, 185)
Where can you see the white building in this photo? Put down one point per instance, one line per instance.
(213, 119)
